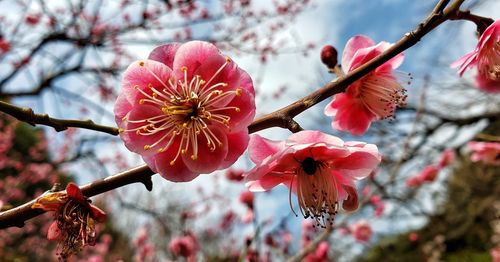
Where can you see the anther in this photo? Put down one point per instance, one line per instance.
(184, 68)
(141, 63)
(147, 147)
(238, 91)
(121, 130)
(194, 157)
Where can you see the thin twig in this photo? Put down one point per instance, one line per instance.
(27, 115)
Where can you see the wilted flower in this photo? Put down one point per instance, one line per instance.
(373, 97)
(320, 169)
(487, 152)
(75, 217)
(361, 231)
(486, 57)
(182, 108)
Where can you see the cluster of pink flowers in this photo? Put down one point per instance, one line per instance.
(486, 152)
(430, 172)
(486, 58)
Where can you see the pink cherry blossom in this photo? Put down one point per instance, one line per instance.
(320, 169)
(414, 181)
(429, 173)
(486, 57)
(413, 236)
(361, 231)
(185, 246)
(447, 157)
(182, 107)
(487, 152)
(495, 254)
(320, 254)
(373, 97)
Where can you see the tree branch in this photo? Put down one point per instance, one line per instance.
(27, 115)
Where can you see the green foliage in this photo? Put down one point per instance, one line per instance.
(464, 220)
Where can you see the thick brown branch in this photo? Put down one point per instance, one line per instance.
(27, 115)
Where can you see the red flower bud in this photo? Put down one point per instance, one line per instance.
(329, 56)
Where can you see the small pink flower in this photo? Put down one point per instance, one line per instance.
(487, 152)
(235, 175)
(414, 181)
(413, 236)
(429, 173)
(447, 157)
(186, 110)
(373, 97)
(320, 254)
(486, 57)
(320, 169)
(495, 254)
(247, 198)
(4, 46)
(362, 231)
(185, 246)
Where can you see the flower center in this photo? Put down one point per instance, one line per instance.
(489, 63)
(191, 109)
(381, 93)
(77, 228)
(316, 191)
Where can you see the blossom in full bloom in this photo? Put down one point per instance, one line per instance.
(486, 152)
(320, 169)
(373, 97)
(75, 217)
(361, 231)
(186, 110)
(486, 57)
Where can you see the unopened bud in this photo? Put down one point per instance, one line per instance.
(329, 56)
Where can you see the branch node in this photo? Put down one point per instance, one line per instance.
(148, 183)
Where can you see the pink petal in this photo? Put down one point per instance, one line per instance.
(354, 44)
(238, 144)
(351, 115)
(143, 73)
(97, 214)
(487, 85)
(122, 107)
(267, 182)
(241, 119)
(136, 142)
(165, 54)
(309, 136)
(54, 232)
(464, 62)
(192, 55)
(352, 202)
(362, 56)
(259, 148)
(211, 70)
(75, 193)
(178, 172)
(246, 82)
(358, 165)
(208, 161)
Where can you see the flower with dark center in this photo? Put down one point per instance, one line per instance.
(320, 169)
